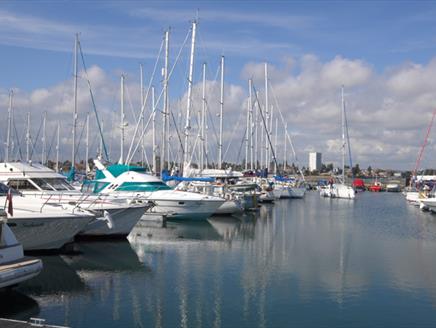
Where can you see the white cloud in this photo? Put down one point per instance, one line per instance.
(387, 119)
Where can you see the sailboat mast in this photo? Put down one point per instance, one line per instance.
(247, 131)
(250, 99)
(256, 137)
(87, 146)
(44, 135)
(73, 155)
(220, 144)
(121, 161)
(267, 157)
(100, 155)
(165, 153)
(262, 131)
(203, 119)
(141, 74)
(275, 147)
(57, 147)
(343, 134)
(188, 105)
(9, 131)
(153, 104)
(285, 154)
(28, 138)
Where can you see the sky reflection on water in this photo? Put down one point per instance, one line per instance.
(312, 262)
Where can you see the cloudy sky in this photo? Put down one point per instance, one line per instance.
(382, 52)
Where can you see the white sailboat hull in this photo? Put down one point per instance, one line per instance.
(338, 191)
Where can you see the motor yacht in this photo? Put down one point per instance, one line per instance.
(113, 215)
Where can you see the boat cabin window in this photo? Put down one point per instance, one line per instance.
(142, 186)
(21, 184)
(43, 184)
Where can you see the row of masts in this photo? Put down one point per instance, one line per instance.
(258, 146)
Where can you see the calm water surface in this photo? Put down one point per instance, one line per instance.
(301, 263)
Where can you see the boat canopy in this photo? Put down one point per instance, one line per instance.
(283, 179)
(166, 177)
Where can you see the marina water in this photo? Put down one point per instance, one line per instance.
(310, 262)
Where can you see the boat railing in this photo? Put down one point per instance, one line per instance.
(45, 203)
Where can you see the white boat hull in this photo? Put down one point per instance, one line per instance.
(46, 233)
(16, 272)
(413, 197)
(123, 221)
(428, 203)
(296, 192)
(338, 191)
(267, 197)
(230, 207)
(186, 209)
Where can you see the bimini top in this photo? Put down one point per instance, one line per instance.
(33, 170)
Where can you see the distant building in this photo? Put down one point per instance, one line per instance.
(315, 161)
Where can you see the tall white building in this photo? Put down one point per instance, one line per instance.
(315, 161)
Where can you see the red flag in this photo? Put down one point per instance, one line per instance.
(10, 207)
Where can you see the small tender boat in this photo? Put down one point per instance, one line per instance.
(393, 187)
(14, 267)
(376, 187)
(338, 190)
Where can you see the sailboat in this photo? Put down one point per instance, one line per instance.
(340, 189)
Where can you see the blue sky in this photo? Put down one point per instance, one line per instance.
(311, 46)
(118, 35)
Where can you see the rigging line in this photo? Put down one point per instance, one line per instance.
(36, 139)
(233, 134)
(51, 144)
(348, 141)
(178, 133)
(129, 100)
(93, 101)
(80, 139)
(215, 134)
(129, 158)
(266, 129)
(418, 160)
(289, 139)
(141, 114)
(240, 147)
(18, 139)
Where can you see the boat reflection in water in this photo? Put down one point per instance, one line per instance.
(105, 276)
(276, 267)
(17, 306)
(149, 236)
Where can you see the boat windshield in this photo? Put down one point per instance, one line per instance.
(59, 184)
(4, 190)
(52, 184)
